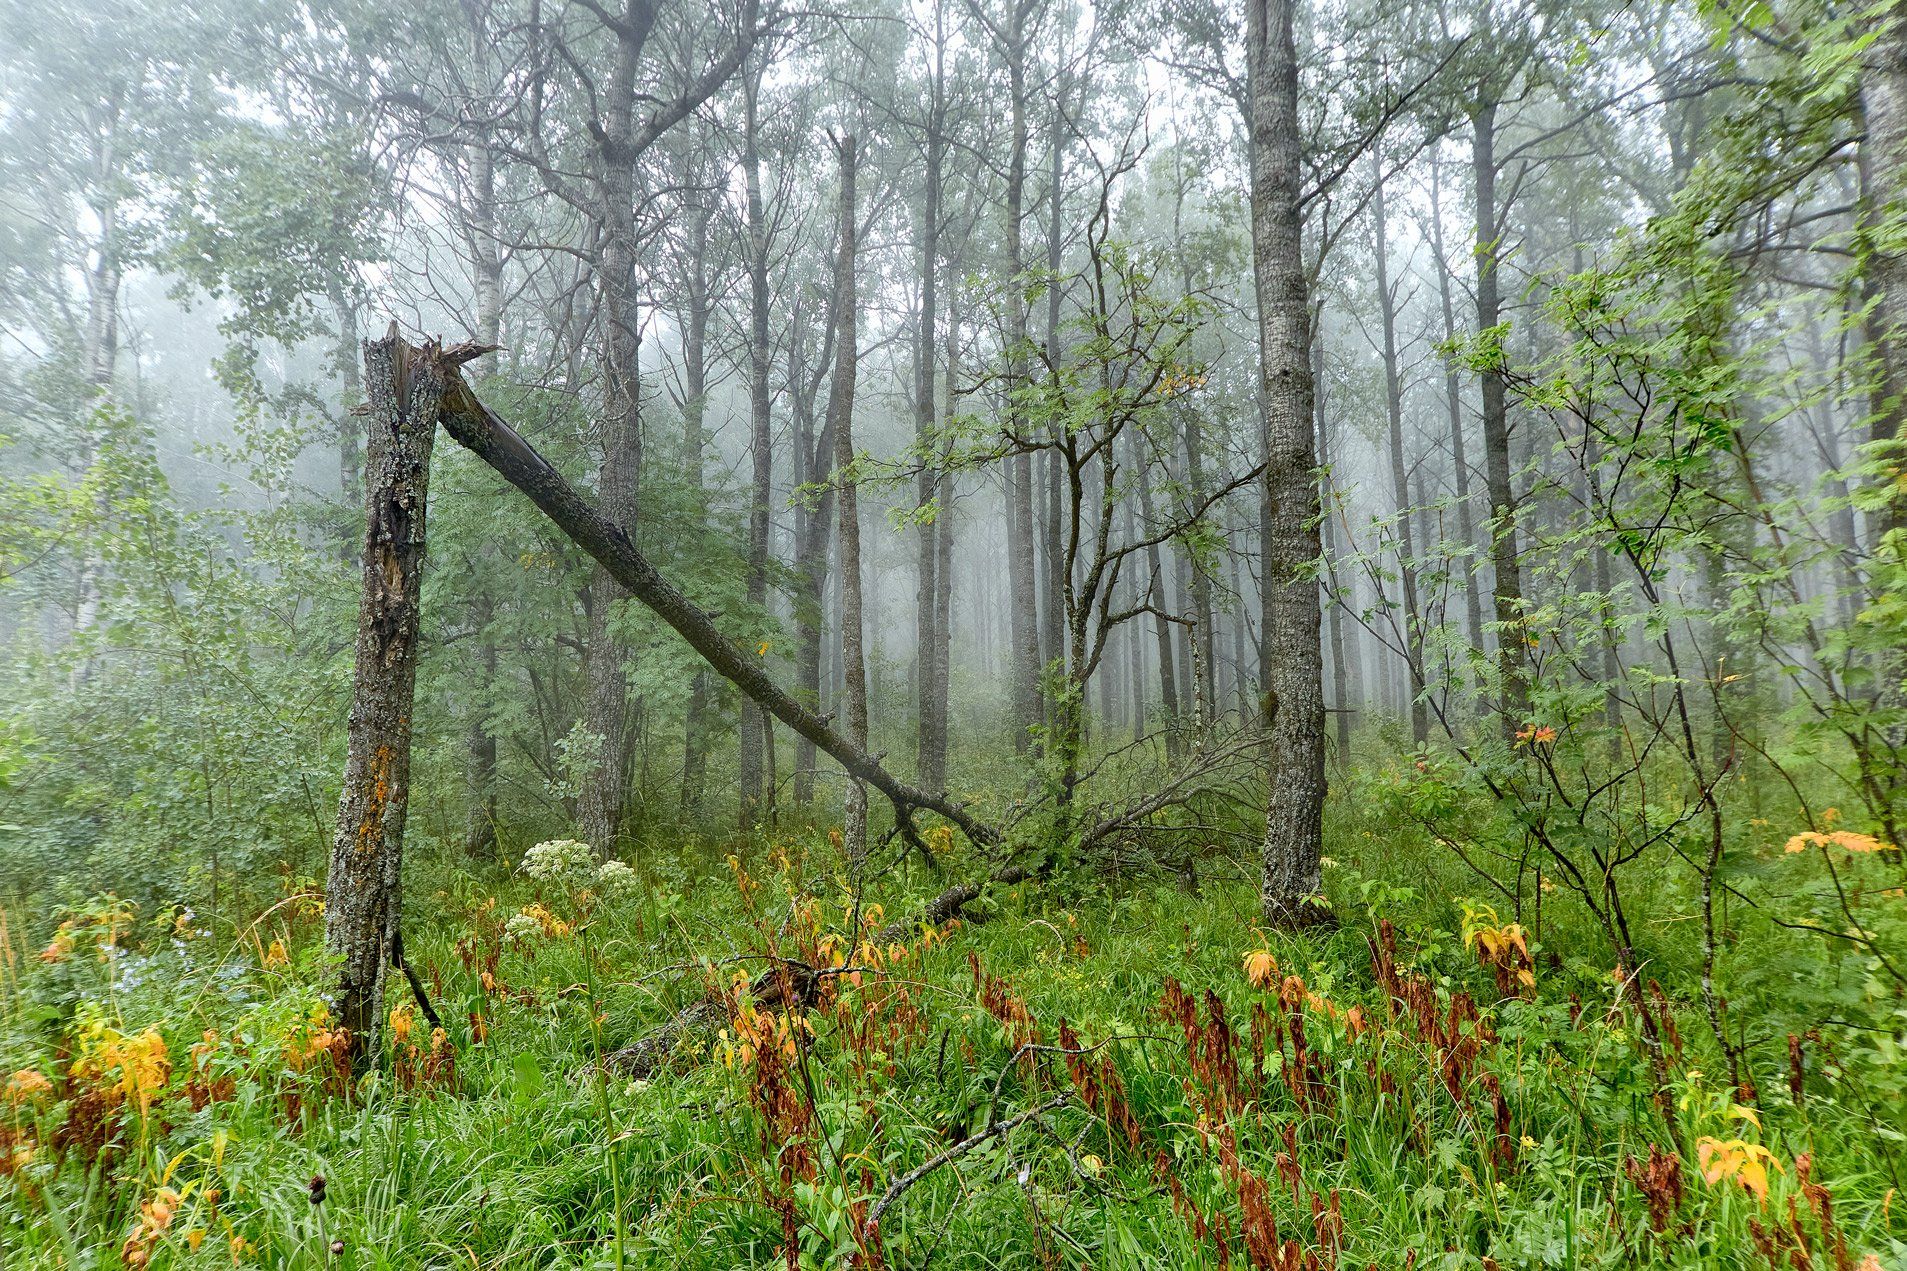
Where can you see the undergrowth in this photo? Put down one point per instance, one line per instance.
(1118, 1077)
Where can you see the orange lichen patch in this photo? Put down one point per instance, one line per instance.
(370, 833)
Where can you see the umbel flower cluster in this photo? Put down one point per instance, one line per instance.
(568, 864)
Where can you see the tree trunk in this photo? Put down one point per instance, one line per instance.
(695, 322)
(1155, 596)
(1883, 168)
(1204, 633)
(1023, 660)
(363, 892)
(929, 492)
(1507, 585)
(813, 535)
(1294, 818)
(934, 774)
(1400, 473)
(101, 352)
(606, 681)
(1465, 565)
(1053, 618)
(1328, 529)
(344, 358)
(754, 724)
(847, 504)
(480, 742)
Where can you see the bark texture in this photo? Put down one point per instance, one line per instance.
(754, 724)
(1294, 671)
(606, 681)
(1884, 181)
(362, 893)
(1400, 472)
(481, 431)
(847, 505)
(1023, 662)
(930, 739)
(1507, 586)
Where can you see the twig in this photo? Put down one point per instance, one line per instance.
(403, 964)
(899, 1186)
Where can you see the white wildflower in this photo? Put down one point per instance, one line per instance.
(522, 928)
(565, 862)
(615, 880)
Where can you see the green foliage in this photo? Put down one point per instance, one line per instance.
(498, 1144)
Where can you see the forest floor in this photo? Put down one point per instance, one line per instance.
(1114, 1075)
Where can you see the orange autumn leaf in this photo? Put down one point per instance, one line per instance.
(1847, 839)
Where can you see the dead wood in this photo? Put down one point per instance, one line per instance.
(478, 429)
(789, 984)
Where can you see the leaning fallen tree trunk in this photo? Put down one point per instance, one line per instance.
(478, 429)
(413, 389)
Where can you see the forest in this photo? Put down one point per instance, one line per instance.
(888, 634)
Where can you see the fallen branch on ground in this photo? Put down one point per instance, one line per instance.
(898, 1188)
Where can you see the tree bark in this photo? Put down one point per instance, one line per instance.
(934, 775)
(1400, 474)
(1294, 818)
(344, 357)
(1155, 596)
(1883, 168)
(104, 278)
(1023, 661)
(480, 742)
(754, 724)
(1053, 618)
(695, 320)
(606, 681)
(930, 492)
(1327, 524)
(847, 504)
(1465, 565)
(479, 430)
(362, 891)
(1507, 585)
(814, 533)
